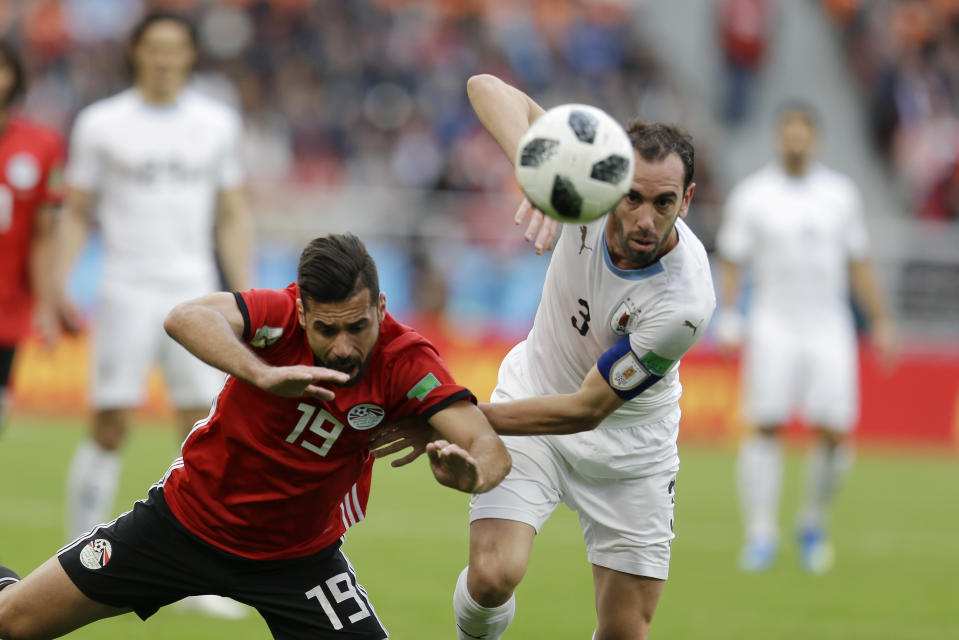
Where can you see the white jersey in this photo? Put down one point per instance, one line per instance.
(799, 235)
(589, 305)
(156, 171)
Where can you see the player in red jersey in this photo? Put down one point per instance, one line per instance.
(257, 505)
(31, 159)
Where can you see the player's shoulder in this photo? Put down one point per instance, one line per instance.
(217, 112)
(400, 341)
(107, 112)
(38, 134)
(835, 180)
(689, 280)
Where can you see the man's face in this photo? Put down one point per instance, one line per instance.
(797, 139)
(640, 229)
(163, 57)
(342, 334)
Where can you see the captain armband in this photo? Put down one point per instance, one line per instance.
(628, 374)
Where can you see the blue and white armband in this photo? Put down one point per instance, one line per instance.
(629, 374)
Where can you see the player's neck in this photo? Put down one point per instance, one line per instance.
(4, 119)
(795, 168)
(159, 97)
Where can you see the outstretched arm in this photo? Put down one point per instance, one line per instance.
(555, 414)
(470, 457)
(211, 327)
(506, 113)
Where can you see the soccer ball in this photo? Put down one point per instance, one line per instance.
(575, 163)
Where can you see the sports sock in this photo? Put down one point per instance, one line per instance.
(476, 621)
(759, 474)
(92, 480)
(826, 464)
(7, 577)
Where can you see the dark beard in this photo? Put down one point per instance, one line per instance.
(345, 365)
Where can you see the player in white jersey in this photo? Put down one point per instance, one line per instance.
(157, 166)
(799, 226)
(625, 297)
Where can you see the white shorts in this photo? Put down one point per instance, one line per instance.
(129, 339)
(625, 510)
(627, 522)
(810, 373)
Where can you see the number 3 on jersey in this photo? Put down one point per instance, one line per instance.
(316, 424)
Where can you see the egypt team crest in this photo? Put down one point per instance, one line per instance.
(22, 171)
(96, 554)
(365, 416)
(625, 318)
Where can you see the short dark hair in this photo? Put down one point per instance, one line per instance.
(798, 107)
(11, 57)
(147, 21)
(336, 267)
(656, 140)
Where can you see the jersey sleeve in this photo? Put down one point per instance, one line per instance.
(857, 237)
(736, 238)
(231, 171)
(268, 316)
(85, 164)
(644, 357)
(422, 385)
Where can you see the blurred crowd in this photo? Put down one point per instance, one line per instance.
(341, 95)
(906, 54)
(342, 91)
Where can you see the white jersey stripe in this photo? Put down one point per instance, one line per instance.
(356, 503)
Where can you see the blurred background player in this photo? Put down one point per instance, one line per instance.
(31, 158)
(158, 165)
(800, 227)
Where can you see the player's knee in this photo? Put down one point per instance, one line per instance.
(109, 429)
(634, 631)
(491, 584)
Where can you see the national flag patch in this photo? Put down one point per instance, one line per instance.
(266, 335)
(422, 388)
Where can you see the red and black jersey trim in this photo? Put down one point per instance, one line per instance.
(464, 394)
(245, 312)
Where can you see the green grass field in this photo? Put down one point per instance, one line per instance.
(896, 529)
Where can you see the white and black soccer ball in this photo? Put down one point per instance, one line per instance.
(575, 163)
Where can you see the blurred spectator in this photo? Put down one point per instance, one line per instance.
(906, 54)
(744, 36)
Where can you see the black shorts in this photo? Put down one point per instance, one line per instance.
(146, 559)
(6, 364)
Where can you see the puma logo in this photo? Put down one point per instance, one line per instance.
(694, 327)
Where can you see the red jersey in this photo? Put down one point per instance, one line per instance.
(31, 163)
(267, 477)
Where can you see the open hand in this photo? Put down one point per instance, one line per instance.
(547, 227)
(453, 466)
(412, 432)
(300, 380)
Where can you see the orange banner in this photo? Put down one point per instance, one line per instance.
(917, 402)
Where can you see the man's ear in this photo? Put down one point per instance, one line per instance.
(687, 198)
(300, 313)
(381, 306)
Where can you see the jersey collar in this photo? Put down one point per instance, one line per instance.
(634, 274)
